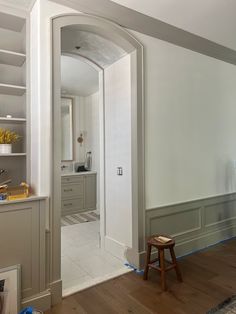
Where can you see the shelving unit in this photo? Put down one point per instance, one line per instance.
(12, 57)
(9, 89)
(12, 120)
(13, 155)
(13, 92)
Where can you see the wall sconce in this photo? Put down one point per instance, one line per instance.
(80, 139)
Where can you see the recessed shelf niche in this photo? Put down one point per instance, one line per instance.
(13, 91)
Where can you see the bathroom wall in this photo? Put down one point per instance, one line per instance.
(86, 122)
(118, 151)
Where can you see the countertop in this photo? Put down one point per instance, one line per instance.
(31, 198)
(68, 174)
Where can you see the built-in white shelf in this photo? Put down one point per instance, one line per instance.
(12, 120)
(11, 22)
(13, 155)
(12, 57)
(9, 89)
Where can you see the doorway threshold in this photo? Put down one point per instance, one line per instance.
(94, 281)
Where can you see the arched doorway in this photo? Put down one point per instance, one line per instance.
(132, 218)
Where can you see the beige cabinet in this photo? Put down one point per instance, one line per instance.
(79, 193)
(90, 191)
(22, 241)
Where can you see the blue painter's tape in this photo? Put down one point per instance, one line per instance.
(205, 248)
(137, 271)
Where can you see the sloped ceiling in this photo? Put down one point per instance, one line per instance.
(77, 77)
(211, 19)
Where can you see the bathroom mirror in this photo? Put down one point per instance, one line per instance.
(66, 129)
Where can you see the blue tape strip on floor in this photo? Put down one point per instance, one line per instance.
(205, 248)
(137, 271)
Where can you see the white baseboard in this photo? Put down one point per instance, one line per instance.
(115, 248)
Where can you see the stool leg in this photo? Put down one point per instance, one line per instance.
(145, 275)
(178, 273)
(162, 266)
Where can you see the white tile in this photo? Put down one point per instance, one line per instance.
(92, 282)
(81, 252)
(83, 262)
(70, 270)
(70, 284)
(96, 266)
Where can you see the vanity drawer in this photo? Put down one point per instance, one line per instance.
(68, 206)
(72, 190)
(72, 179)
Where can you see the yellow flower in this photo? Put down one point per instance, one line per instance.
(8, 137)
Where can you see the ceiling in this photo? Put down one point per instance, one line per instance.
(211, 19)
(96, 48)
(78, 77)
(19, 4)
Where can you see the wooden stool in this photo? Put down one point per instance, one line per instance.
(161, 267)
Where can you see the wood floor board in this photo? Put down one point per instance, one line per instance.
(209, 278)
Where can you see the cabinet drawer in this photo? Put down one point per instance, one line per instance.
(72, 190)
(72, 179)
(72, 205)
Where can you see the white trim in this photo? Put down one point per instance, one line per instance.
(122, 38)
(95, 281)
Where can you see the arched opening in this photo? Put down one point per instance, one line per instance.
(121, 197)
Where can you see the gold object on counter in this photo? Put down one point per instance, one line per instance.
(15, 192)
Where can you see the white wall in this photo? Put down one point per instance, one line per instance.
(41, 92)
(92, 135)
(78, 121)
(118, 151)
(189, 117)
(190, 123)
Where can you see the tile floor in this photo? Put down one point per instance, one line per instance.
(84, 264)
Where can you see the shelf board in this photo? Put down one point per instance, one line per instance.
(9, 89)
(12, 58)
(13, 155)
(12, 120)
(11, 22)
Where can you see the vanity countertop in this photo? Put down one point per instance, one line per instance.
(68, 174)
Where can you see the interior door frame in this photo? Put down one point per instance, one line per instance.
(130, 45)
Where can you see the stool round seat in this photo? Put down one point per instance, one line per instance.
(159, 263)
(154, 242)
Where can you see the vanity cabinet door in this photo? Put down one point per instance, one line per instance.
(72, 190)
(72, 206)
(90, 182)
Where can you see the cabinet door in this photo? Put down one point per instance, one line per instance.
(90, 191)
(72, 190)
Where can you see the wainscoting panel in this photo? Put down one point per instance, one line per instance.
(22, 241)
(195, 225)
(177, 224)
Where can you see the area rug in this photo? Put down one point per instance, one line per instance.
(79, 218)
(226, 307)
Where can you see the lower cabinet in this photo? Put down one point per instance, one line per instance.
(22, 241)
(79, 193)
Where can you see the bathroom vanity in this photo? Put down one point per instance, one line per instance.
(78, 192)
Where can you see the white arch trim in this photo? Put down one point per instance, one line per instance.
(125, 40)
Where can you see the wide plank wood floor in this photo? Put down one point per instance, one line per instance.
(209, 278)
